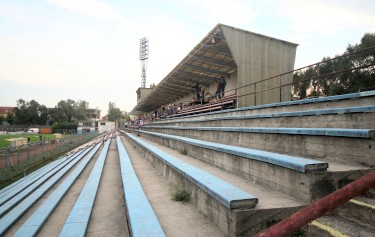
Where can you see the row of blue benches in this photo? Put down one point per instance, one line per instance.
(333, 111)
(142, 219)
(140, 214)
(333, 132)
(22, 195)
(23, 201)
(291, 162)
(297, 102)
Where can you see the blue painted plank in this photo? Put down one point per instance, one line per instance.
(34, 181)
(35, 222)
(291, 162)
(12, 216)
(360, 109)
(296, 102)
(333, 132)
(226, 193)
(11, 200)
(78, 220)
(11, 187)
(141, 217)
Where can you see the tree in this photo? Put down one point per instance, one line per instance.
(70, 111)
(10, 118)
(30, 113)
(114, 114)
(333, 75)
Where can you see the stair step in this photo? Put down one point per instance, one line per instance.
(336, 226)
(272, 207)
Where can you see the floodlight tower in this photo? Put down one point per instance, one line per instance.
(143, 57)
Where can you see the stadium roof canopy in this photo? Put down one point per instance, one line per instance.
(210, 59)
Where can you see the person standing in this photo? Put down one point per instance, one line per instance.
(218, 89)
(223, 83)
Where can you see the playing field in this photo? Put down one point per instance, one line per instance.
(33, 138)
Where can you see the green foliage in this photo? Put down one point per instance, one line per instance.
(180, 195)
(182, 151)
(114, 113)
(31, 113)
(296, 233)
(33, 138)
(70, 111)
(10, 118)
(64, 126)
(346, 81)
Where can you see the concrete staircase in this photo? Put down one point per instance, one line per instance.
(336, 131)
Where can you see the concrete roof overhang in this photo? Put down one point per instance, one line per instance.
(210, 59)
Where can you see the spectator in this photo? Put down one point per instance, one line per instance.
(218, 89)
(223, 83)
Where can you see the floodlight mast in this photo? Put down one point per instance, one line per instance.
(143, 57)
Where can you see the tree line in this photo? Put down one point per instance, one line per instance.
(334, 76)
(67, 113)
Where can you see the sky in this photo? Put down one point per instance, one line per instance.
(53, 50)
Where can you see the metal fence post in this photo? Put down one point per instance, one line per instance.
(18, 158)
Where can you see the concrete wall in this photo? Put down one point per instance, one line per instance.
(259, 57)
(142, 93)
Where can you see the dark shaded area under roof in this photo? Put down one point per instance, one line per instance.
(210, 59)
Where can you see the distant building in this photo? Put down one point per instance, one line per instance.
(5, 110)
(105, 117)
(95, 126)
(93, 114)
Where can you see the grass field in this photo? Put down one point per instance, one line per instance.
(33, 138)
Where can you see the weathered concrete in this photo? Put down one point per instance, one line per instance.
(108, 216)
(350, 150)
(329, 102)
(235, 222)
(176, 218)
(303, 186)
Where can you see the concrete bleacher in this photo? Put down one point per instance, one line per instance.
(288, 174)
(329, 118)
(227, 102)
(40, 216)
(78, 220)
(19, 204)
(245, 169)
(337, 101)
(328, 144)
(224, 204)
(336, 131)
(142, 218)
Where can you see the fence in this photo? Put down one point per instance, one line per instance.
(20, 160)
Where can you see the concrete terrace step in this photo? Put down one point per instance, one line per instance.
(141, 217)
(78, 220)
(18, 195)
(272, 205)
(290, 162)
(287, 175)
(330, 144)
(363, 116)
(223, 192)
(360, 209)
(332, 132)
(40, 216)
(25, 203)
(336, 226)
(349, 100)
(34, 180)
